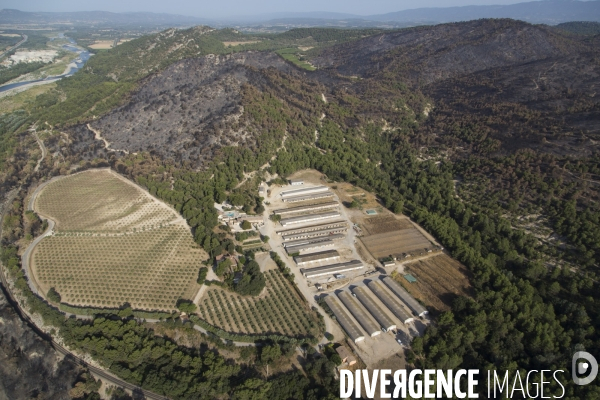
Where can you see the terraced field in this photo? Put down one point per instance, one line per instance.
(278, 311)
(113, 244)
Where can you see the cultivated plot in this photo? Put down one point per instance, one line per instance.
(440, 279)
(101, 200)
(278, 311)
(132, 248)
(396, 243)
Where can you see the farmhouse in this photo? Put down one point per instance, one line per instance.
(361, 315)
(332, 269)
(377, 312)
(410, 301)
(352, 330)
(390, 302)
(309, 218)
(326, 255)
(256, 220)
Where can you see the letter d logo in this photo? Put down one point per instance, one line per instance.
(583, 367)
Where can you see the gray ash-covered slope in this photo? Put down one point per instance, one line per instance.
(190, 109)
(29, 367)
(513, 84)
(433, 53)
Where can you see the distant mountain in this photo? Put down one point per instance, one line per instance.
(547, 12)
(550, 12)
(12, 17)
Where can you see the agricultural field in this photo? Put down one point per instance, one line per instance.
(232, 44)
(113, 244)
(102, 44)
(384, 224)
(439, 280)
(101, 201)
(385, 236)
(278, 311)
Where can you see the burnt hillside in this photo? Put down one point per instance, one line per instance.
(191, 108)
(495, 85)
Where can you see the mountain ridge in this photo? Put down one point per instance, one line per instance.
(545, 11)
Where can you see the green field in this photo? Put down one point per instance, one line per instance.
(113, 244)
(292, 55)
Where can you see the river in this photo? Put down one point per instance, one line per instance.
(75, 66)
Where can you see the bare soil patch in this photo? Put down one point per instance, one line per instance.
(231, 44)
(102, 44)
(440, 279)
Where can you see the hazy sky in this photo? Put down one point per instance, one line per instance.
(231, 8)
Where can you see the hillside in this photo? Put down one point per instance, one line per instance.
(485, 133)
(191, 107)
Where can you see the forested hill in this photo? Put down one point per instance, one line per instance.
(483, 132)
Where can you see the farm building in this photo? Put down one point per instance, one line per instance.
(312, 240)
(377, 312)
(256, 220)
(391, 302)
(310, 246)
(326, 255)
(296, 182)
(410, 301)
(352, 330)
(361, 315)
(313, 228)
(345, 355)
(309, 218)
(335, 233)
(304, 191)
(389, 263)
(307, 208)
(332, 269)
(315, 196)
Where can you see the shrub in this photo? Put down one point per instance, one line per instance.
(202, 275)
(186, 306)
(53, 295)
(246, 225)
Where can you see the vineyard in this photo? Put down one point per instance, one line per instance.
(150, 267)
(279, 311)
(101, 200)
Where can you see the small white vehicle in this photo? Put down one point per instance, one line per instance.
(399, 342)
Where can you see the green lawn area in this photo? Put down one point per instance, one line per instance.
(291, 54)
